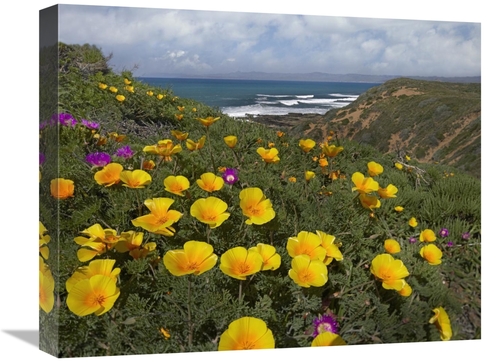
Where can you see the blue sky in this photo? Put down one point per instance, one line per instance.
(163, 41)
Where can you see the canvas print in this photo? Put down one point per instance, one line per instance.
(215, 181)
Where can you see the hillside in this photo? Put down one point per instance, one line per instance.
(429, 120)
(164, 223)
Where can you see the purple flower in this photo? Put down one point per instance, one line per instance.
(230, 176)
(325, 323)
(412, 240)
(41, 159)
(443, 232)
(466, 236)
(449, 243)
(125, 152)
(90, 124)
(98, 159)
(67, 119)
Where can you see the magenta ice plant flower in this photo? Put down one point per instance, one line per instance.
(90, 124)
(230, 176)
(125, 152)
(41, 159)
(98, 159)
(325, 323)
(67, 119)
(412, 240)
(466, 235)
(443, 232)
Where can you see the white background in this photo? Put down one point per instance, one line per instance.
(19, 176)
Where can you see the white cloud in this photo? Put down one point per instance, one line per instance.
(217, 41)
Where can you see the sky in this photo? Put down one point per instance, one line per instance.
(162, 41)
(19, 147)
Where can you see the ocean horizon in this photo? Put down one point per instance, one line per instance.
(239, 98)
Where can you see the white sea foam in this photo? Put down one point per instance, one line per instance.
(306, 96)
(343, 95)
(290, 102)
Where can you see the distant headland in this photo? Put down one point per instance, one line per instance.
(313, 77)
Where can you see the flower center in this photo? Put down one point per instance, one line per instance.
(243, 268)
(325, 327)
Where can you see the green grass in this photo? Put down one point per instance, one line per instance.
(196, 310)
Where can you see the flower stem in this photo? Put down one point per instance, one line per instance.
(240, 294)
(190, 323)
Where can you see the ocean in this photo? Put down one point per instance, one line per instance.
(237, 98)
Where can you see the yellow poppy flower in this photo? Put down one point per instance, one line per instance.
(120, 98)
(256, 206)
(109, 175)
(95, 267)
(306, 272)
(239, 262)
(210, 182)
(208, 121)
(332, 249)
(129, 240)
(196, 258)
(413, 222)
(179, 117)
(150, 93)
(210, 211)
(148, 165)
(95, 295)
(103, 86)
(398, 165)
(292, 179)
(271, 259)
(309, 175)
(369, 202)
(280, 134)
(181, 108)
(406, 291)
(129, 88)
(306, 144)
(161, 219)
(180, 136)
(427, 236)
(441, 320)
(392, 246)
(160, 97)
(306, 243)
(374, 168)
(323, 162)
(399, 208)
(193, 146)
(176, 184)
(136, 179)
(126, 81)
(230, 141)
(246, 333)
(432, 254)
(43, 240)
(164, 148)
(268, 155)
(325, 339)
(390, 271)
(61, 188)
(331, 150)
(113, 89)
(388, 192)
(46, 287)
(362, 184)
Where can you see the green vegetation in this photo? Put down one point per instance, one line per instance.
(158, 312)
(430, 120)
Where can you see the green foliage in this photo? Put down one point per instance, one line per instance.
(197, 309)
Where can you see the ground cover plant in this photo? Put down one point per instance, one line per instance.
(166, 226)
